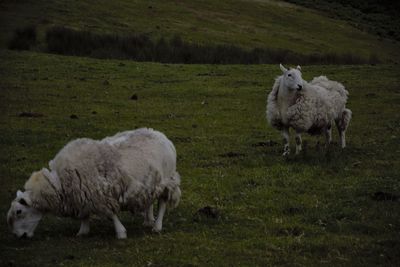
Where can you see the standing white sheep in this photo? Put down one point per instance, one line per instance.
(128, 171)
(307, 107)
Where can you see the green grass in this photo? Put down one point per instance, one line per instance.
(311, 210)
(245, 23)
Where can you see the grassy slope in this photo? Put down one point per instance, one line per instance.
(247, 23)
(315, 209)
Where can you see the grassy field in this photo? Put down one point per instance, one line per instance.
(245, 23)
(323, 207)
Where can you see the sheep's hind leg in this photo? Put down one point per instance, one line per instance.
(149, 216)
(85, 227)
(162, 206)
(342, 138)
(286, 140)
(120, 230)
(342, 124)
(328, 136)
(342, 133)
(298, 143)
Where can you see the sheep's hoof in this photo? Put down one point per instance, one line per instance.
(82, 233)
(121, 235)
(84, 230)
(156, 229)
(148, 223)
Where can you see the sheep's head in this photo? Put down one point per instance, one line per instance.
(22, 218)
(292, 78)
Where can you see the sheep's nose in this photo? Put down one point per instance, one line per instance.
(299, 87)
(24, 235)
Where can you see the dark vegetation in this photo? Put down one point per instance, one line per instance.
(379, 17)
(140, 47)
(23, 38)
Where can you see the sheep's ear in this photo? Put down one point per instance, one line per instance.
(19, 194)
(46, 172)
(283, 69)
(298, 67)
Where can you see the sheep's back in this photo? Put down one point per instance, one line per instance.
(90, 178)
(148, 158)
(335, 90)
(145, 147)
(312, 110)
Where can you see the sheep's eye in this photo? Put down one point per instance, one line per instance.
(290, 75)
(19, 212)
(23, 202)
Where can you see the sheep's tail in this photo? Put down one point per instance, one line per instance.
(344, 121)
(174, 193)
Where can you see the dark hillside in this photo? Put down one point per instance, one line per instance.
(378, 17)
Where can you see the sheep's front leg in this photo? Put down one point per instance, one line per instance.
(120, 230)
(286, 140)
(149, 216)
(85, 227)
(162, 206)
(298, 142)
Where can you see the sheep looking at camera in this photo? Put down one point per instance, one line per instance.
(307, 107)
(128, 171)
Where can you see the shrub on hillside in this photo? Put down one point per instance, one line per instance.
(140, 47)
(23, 38)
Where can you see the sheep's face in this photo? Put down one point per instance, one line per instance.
(292, 79)
(22, 219)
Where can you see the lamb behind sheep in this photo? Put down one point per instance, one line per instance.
(128, 171)
(307, 107)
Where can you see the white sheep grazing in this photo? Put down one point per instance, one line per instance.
(128, 171)
(307, 107)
